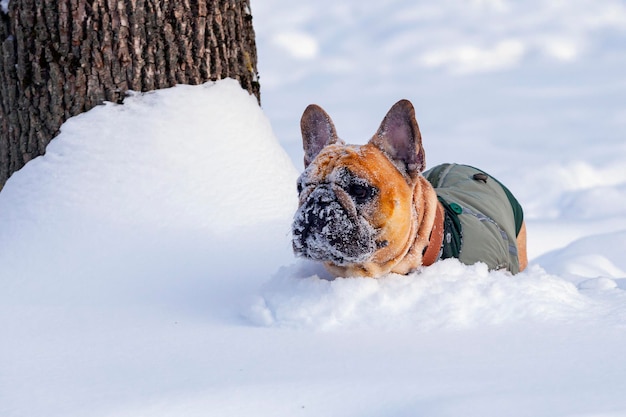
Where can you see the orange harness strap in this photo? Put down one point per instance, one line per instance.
(431, 254)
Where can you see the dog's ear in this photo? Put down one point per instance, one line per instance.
(399, 137)
(318, 131)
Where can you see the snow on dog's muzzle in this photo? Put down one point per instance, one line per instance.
(323, 230)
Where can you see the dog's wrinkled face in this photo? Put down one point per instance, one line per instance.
(344, 205)
(328, 226)
(356, 201)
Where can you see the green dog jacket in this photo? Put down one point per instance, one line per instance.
(483, 217)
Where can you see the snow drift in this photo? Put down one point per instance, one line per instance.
(147, 269)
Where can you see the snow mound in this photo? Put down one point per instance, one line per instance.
(166, 193)
(592, 262)
(445, 295)
(575, 190)
(201, 157)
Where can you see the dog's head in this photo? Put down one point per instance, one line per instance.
(356, 210)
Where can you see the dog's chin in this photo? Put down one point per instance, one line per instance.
(320, 249)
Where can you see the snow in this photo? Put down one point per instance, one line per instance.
(471, 59)
(448, 295)
(299, 45)
(146, 260)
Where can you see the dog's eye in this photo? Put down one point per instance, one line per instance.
(300, 187)
(361, 193)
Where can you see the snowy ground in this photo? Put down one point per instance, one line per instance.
(145, 260)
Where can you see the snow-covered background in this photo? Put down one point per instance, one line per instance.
(145, 262)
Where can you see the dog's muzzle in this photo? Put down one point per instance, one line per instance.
(323, 230)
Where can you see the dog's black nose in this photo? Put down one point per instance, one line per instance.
(318, 220)
(315, 218)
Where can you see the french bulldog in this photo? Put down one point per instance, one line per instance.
(368, 210)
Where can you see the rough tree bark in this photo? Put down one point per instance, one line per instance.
(59, 58)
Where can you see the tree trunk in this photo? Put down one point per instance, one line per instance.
(59, 58)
